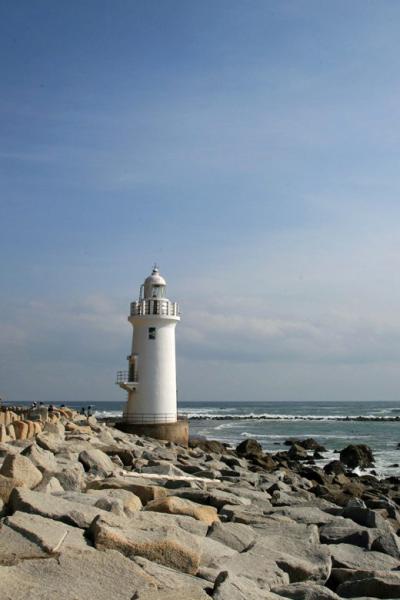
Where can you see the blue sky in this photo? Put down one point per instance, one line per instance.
(251, 148)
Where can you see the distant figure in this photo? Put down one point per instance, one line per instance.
(51, 408)
(34, 405)
(89, 411)
(83, 412)
(43, 412)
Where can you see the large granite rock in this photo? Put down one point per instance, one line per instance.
(49, 485)
(235, 535)
(182, 506)
(51, 536)
(388, 543)
(380, 584)
(53, 507)
(71, 476)
(305, 591)
(96, 461)
(297, 452)
(7, 484)
(14, 547)
(301, 561)
(353, 557)
(249, 446)
(171, 580)
(168, 546)
(131, 503)
(346, 531)
(41, 458)
(49, 441)
(357, 455)
(309, 514)
(145, 489)
(213, 497)
(231, 587)
(73, 576)
(257, 566)
(20, 467)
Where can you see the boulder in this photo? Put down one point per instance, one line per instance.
(249, 515)
(77, 575)
(31, 429)
(37, 427)
(49, 441)
(43, 459)
(71, 477)
(297, 452)
(53, 507)
(14, 547)
(194, 593)
(214, 497)
(299, 559)
(352, 557)
(170, 581)
(213, 556)
(207, 445)
(144, 489)
(309, 444)
(21, 430)
(357, 455)
(182, 506)
(345, 531)
(315, 474)
(56, 428)
(11, 432)
(235, 535)
(335, 467)
(151, 520)
(49, 485)
(7, 484)
(168, 546)
(96, 461)
(256, 566)
(305, 591)
(249, 446)
(8, 449)
(51, 536)
(19, 467)
(309, 515)
(163, 468)
(130, 501)
(388, 543)
(364, 516)
(125, 454)
(378, 585)
(231, 587)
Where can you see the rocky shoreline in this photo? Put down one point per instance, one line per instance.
(89, 512)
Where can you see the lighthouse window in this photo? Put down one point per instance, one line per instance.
(152, 333)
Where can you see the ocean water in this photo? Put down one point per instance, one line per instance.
(333, 424)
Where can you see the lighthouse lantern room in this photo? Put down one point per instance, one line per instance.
(150, 380)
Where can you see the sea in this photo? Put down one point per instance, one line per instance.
(333, 424)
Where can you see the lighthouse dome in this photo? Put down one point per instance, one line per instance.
(154, 285)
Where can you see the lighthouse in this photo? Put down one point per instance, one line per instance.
(150, 381)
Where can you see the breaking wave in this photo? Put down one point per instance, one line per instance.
(212, 416)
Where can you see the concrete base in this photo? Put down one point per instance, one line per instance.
(177, 432)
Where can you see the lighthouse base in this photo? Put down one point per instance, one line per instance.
(177, 432)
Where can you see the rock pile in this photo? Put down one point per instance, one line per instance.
(89, 512)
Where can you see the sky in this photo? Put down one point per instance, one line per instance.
(250, 148)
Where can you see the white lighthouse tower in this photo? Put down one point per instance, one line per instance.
(150, 381)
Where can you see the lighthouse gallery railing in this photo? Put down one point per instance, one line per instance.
(155, 307)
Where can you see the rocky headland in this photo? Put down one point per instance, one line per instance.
(89, 512)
